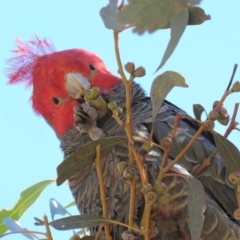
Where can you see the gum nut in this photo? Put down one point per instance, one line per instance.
(129, 67)
(87, 98)
(213, 115)
(160, 187)
(146, 188)
(122, 166)
(224, 121)
(139, 72)
(112, 105)
(94, 92)
(146, 148)
(120, 110)
(236, 87)
(97, 104)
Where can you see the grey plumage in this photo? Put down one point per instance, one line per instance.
(171, 222)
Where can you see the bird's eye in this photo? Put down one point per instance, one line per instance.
(55, 100)
(92, 67)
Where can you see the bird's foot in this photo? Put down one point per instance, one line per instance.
(85, 121)
(129, 236)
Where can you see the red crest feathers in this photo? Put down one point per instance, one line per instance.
(21, 66)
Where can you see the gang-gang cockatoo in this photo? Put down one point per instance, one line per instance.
(54, 77)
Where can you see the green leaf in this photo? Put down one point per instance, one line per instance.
(161, 86)
(178, 25)
(71, 204)
(198, 109)
(196, 203)
(79, 221)
(149, 15)
(228, 152)
(84, 157)
(27, 198)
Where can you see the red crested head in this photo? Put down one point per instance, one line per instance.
(39, 66)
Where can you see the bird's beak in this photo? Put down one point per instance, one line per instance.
(76, 85)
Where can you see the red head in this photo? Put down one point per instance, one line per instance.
(38, 65)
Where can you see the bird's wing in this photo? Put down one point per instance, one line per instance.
(215, 177)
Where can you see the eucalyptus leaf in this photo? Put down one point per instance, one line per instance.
(178, 25)
(198, 109)
(188, 2)
(109, 15)
(148, 15)
(196, 204)
(56, 208)
(79, 221)
(161, 86)
(228, 152)
(27, 198)
(15, 226)
(71, 204)
(84, 157)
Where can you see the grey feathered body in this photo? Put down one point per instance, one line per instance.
(171, 221)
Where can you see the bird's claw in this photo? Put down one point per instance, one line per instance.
(128, 236)
(85, 121)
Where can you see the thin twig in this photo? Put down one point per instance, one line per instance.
(120, 68)
(191, 119)
(175, 175)
(102, 190)
(220, 103)
(238, 129)
(132, 77)
(151, 143)
(23, 232)
(233, 74)
(48, 232)
(116, 117)
(99, 231)
(163, 164)
(128, 123)
(232, 124)
(206, 162)
(132, 203)
(180, 155)
(176, 124)
(133, 154)
(228, 90)
(166, 152)
(127, 226)
(147, 215)
(84, 231)
(150, 136)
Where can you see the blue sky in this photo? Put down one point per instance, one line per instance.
(29, 148)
